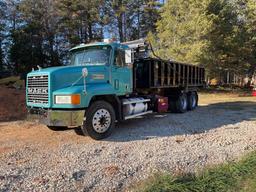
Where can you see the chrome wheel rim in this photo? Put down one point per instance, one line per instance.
(184, 103)
(193, 102)
(101, 120)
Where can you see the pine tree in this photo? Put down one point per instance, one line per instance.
(42, 14)
(225, 51)
(2, 30)
(1, 59)
(118, 14)
(27, 51)
(181, 30)
(43, 31)
(250, 43)
(133, 19)
(81, 20)
(149, 17)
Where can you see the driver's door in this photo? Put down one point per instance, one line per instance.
(121, 74)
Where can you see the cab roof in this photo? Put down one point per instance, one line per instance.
(112, 44)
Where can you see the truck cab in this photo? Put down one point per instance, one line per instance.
(104, 84)
(60, 96)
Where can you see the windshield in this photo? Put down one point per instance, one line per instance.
(97, 55)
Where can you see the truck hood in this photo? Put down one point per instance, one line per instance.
(61, 77)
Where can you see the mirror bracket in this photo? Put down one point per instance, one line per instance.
(128, 56)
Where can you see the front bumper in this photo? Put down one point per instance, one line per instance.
(61, 118)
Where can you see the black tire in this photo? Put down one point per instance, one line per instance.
(197, 98)
(182, 103)
(192, 101)
(103, 111)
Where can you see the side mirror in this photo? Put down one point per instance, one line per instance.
(128, 56)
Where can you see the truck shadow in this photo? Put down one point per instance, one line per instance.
(203, 119)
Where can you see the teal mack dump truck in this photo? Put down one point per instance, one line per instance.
(107, 82)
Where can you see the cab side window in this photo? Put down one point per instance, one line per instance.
(120, 58)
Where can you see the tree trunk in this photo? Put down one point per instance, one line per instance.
(53, 55)
(250, 75)
(120, 29)
(90, 31)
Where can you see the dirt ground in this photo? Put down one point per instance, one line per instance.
(221, 129)
(13, 124)
(12, 104)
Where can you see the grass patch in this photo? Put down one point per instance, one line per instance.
(232, 177)
(14, 81)
(226, 89)
(248, 185)
(235, 106)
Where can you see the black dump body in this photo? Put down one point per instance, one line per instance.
(157, 73)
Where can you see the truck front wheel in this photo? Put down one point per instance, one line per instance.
(100, 120)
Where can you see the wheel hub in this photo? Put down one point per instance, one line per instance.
(101, 120)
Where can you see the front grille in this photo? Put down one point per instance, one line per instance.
(37, 89)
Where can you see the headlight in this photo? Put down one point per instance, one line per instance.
(68, 99)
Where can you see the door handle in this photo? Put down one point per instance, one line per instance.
(116, 84)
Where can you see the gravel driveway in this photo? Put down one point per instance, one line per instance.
(33, 158)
